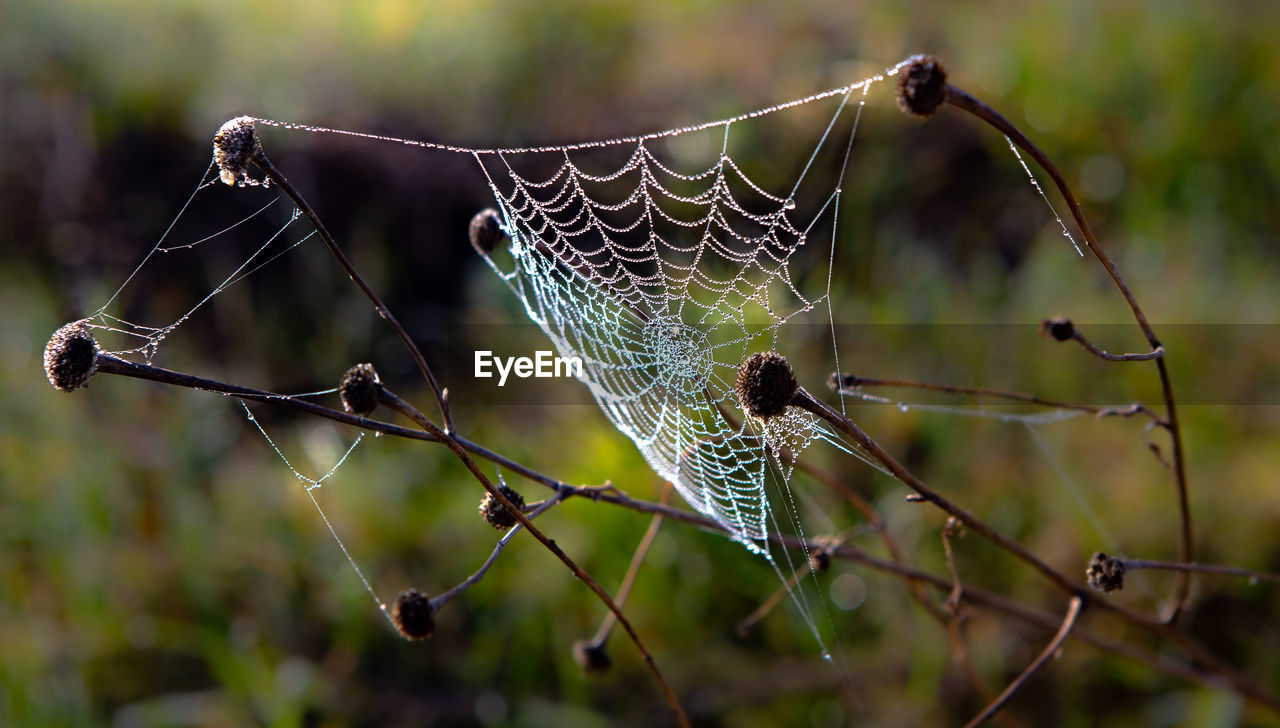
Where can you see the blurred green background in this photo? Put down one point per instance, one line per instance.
(160, 566)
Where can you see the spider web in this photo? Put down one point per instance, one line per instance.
(662, 293)
(661, 277)
(660, 274)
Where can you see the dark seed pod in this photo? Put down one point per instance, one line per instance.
(495, 514)
(1105, 573)
(1058, 327)
(234, 146)
(922, 85)
(358, 389)
(71, 357)
(766, 384)
(591, 657)
(485, 231)
(820, 560)
(413, 615)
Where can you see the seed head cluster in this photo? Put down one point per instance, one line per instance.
(358, 389)
(591, 657)
(413, 615)
(1059, 328)
(71, 357)
(233, 148)
(485, 231)
(497, 515)
(1106, 574)
(766, 384)
(922, 85)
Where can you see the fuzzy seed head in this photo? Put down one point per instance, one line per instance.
(495, 514)
(1105, 573)
(922, 85)
(591, 657)
(71, 357)
(233, 147)
(358, 389)
(485, 231)
(1059, 328)
(413, 615)
(766, 384)
(820, 560)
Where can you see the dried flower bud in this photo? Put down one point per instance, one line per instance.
(495, 514)
(71, 356)
(591, 657)
(233, 148)
(413, 615)
(1058, 327)
(1106, 574)
(358, 389)
(485, 231)
(766, 384)
(820, 560)
(922, 85)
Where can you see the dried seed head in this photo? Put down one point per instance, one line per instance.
(413, 615)
(922, 85)
(71, 356)
(766, 384)
(485, 231)
(1105, 573)
(820, 560)
(1058, 327)
(358, 389)
(495, 514)
(233, 147)
(591, 657)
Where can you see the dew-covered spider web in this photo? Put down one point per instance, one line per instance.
(662, 290)
(661, 262)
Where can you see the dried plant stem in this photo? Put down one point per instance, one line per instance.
(844, 383)
(458, 450)
(808, 402)
(1092, 348)
(1218, 676)
(863, 506)
(442, 599)
(277, 177)
(642, 549)
(1132, 564)
(1068, 622)
(963, 100)
(113, 365)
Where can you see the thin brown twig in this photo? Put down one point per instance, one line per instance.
(388, 397)
(962, 100)
(113, 365)
(1245, 683)
(1131, 564)
(440, 600)
(809, 403)
(955, 624)
(642, 549)
(1092, 348)
(277, 177)
(957, 589)
(845, 383)
(1069, 621)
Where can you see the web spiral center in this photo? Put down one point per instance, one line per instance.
(681, 354)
